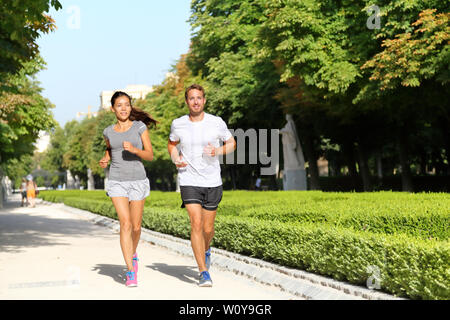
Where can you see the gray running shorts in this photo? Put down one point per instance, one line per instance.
(133, 190)
(208, 198)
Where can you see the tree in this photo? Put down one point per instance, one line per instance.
(241, 88)
(23, 113)
(21, 22)
(80, 154)
(326, 45)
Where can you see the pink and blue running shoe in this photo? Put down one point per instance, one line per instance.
(135, 262)
(131, 279)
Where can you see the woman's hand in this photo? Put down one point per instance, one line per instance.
(104, 162)
(129, 147)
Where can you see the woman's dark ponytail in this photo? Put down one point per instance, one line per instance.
(136, 113)
(140, 115)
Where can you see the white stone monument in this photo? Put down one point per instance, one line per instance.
(70, 181)
(77, 182)
(294, 173)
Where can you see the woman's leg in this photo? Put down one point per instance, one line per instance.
(122, 206)
(136, 210)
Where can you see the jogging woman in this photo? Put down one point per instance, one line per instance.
(128, 143)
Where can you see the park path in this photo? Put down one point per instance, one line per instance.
(47, 252)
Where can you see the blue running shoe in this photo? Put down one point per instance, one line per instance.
(205, 279)
(208, 258)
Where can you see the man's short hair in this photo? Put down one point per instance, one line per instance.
(192, 87)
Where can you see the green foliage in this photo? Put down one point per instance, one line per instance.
(319, 61)
(23, 112)
(80, 155)
(18, 168)
(413, 57)
(21, 22)
(241, 89)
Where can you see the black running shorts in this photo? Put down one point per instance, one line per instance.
(208, 198)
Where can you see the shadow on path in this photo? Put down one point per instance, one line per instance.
(187, 274)
(21, 229)
(116, 272)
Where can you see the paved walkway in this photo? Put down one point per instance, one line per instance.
(48, 252)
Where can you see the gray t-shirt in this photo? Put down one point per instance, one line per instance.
(125, 166)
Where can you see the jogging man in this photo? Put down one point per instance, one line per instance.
(198, 135)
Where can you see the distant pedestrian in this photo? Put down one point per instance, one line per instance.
(128, 143)
(23, 192)
(258, 184)
(31, 191)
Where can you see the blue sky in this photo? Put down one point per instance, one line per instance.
(107, 45)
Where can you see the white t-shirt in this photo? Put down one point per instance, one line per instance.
(202, 170)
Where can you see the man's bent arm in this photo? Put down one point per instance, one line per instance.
(228, 146)
(173, 151)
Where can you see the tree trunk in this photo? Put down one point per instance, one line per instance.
(349, 156)
(105, 181)
(423, 163)
(177, 187)
(1, 189)
(447, 153)
(379, 166)
(363, 167)
(233, 177)
(444, 124)
(312, 162)
(407, 184)
(334, 168)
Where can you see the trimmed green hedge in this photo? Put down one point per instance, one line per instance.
(330, 244)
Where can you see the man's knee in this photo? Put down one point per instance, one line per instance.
(196, 227)
(208, 230)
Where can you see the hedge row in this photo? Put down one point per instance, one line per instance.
(419, 215)
(408, 266)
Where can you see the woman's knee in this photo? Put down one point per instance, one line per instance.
(137, 228)
(126, 226)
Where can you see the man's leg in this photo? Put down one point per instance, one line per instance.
(197, 237)
(208, 226)
(213, 198)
